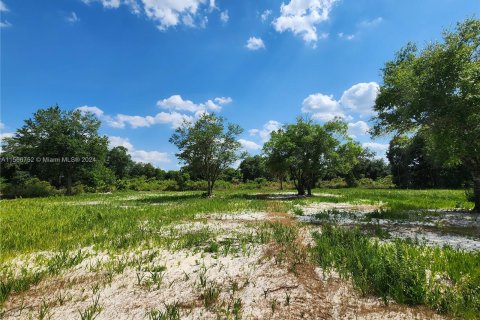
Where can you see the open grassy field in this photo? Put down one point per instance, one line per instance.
(242, 254)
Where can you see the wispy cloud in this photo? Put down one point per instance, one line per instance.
(265, 15)
(5, 24)
(73, 18)
(371, 23)
(224, 17)
(3, 7)
(344, 36)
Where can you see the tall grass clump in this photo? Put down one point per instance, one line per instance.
(444, 279)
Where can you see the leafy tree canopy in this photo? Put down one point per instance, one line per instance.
(71, 137)
(207, 146)
(309, 151)
(436, 90)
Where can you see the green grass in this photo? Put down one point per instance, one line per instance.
(124, 220)
(31, 225)
(395, 198)
(444, 279)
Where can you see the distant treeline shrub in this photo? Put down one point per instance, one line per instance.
(380, 183)
(30, 188)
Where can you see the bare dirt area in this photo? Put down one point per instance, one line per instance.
(459, 230)
(256, 281)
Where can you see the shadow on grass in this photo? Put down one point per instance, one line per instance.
(269, 196)
(168, 198)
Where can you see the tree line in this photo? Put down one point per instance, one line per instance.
(429, 102)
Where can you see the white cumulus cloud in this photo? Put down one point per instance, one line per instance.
(4, 135)
(361, 97)
(176, 102)
(358, 128)
(254, 43)
(379, 148)
(166, 13)
(92, 109)
(302, 17)
(322, 107)
(249, 145)
(154, 157)
(174, 118)
(264, 132)
(114, 141)
(110, 4)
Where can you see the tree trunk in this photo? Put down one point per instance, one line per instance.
(476, 193)
(69, 183)
(209, 188)
(309, 190)
(301, 189)
(281, 183)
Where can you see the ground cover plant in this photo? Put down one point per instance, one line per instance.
(444, 279)
(129, 229)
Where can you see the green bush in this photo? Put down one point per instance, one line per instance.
(385, 182)
(31, 188)
(335, 183)
(469, 194)
(78, 188)
(366, 183)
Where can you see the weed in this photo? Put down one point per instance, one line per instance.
(287, 298)
(210, 296)
(202, 277)
(92, 311)
(171, 312)
(44, 312)
(298, 211)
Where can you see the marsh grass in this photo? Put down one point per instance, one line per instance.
(444, 279)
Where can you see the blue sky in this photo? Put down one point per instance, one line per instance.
(145, 65)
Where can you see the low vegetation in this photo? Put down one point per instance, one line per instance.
(444, 279)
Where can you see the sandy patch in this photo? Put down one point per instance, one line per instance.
(130, 285)
(317, 207)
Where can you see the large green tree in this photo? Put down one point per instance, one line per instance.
(413, 165)
(63, 145)
(436, 90)
(308, 150)
(119, 161)
(207, 146)
(253, 167)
